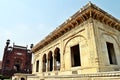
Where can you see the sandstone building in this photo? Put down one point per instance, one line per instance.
(84, 47)
(16, 59)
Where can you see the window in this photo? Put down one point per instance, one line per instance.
(75, 56)
(111, 53)
(37, 66)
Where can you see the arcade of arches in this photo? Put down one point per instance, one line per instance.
(50, 62)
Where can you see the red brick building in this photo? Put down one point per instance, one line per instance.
(16, 59)
(0, 65)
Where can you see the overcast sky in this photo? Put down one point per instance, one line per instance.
(28, 21)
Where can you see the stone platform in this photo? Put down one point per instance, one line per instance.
(114, 75)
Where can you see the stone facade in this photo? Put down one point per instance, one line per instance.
(84, 47)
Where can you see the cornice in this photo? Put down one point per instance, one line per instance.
(88, 11)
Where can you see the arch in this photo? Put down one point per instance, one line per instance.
(37, 65)
(71, 39)
(17, 64)
(57, 61)
(50, 61)
(22, 78)
(72, 44)
(112, 36)
(111, 48)
(44, 60)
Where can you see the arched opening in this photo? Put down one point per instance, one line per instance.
(22, 78)
(57, 59)
(44, 63)
(72, 52)
(17, 65)
(37, 66)
(50, 61)
(111, 52)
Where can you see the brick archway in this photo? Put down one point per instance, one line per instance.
(17, 64)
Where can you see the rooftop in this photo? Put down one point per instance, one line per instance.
(19, 47)
(88, 11)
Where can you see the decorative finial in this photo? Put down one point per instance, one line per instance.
(90, 3)
(31, 46)
(8, 42)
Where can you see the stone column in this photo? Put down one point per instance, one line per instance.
(41, 66)
(48, 64)
(44, 67)
(53, 62)
(62, 62)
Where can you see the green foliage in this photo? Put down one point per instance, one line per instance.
(4, 77)
(7, 79)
